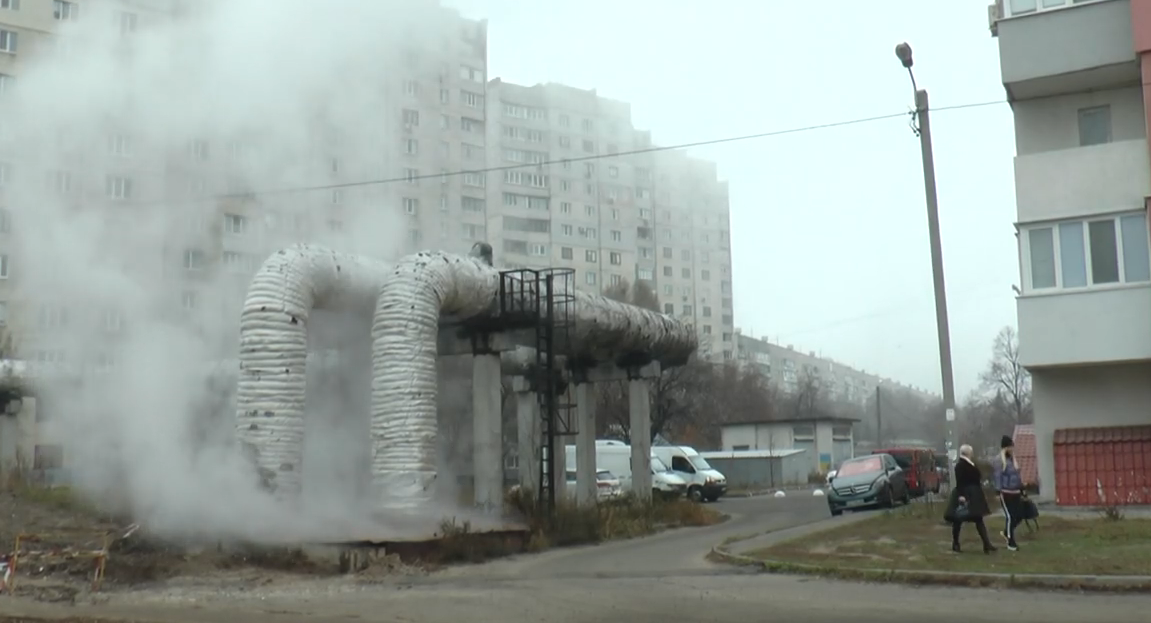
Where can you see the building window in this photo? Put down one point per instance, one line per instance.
(118, 187)
(411, 88)
(127, 23)
(411, 146)
(6, 83)
(235, 224)
(64, 11)
(188, 300)
(644, 274)
(589, 278)
(8, 41)
(1094, 125)
(803, 432)
(119, 145)
(198, 149)
(615, 258)
(412, 176)
(590, 255)
(193, 259)
(566, 253)
(411, 118)
(616, 235)
(472, 74)
(1092, 252)
(472, 100)
(411, 206)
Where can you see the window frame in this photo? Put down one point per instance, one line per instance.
(1116, 219)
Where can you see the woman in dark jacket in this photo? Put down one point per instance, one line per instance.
(968, 493)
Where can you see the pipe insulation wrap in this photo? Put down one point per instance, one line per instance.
(274, 348)
(404, 351)
(423, 287)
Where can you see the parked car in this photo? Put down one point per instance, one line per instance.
(918, 465)
(867, 482)
(607, 485)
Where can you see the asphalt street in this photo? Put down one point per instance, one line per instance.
(663, 579)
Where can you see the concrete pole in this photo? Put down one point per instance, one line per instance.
(528, 435)
(639, 407)
(585, 444)
(922, 113)
(487, 429)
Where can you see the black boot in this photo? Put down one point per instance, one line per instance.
(955, 548)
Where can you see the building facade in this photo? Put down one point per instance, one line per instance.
(603, 203)
(825, 442)
(193, 222)
(1077, 74)
(789, 369)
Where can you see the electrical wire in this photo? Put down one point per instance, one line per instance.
(621, 154)
(646, 150)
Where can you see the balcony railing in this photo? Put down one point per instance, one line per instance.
(1012, 8)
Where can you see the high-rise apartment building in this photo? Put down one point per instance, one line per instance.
(191, 195)
(602, 201)
(1077, 75)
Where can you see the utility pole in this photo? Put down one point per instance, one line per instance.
(878, 420)
(923, 130)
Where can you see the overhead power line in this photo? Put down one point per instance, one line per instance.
(646, 150)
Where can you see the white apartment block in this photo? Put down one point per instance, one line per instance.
(429, 123)
(785, 367)
(595, 205)
(1076, 73)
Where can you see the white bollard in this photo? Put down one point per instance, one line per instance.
(780, 494)
(817, 493)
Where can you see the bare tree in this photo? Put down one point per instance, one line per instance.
(1007, 379)
(808, 399)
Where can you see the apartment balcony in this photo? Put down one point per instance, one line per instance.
(1050, 47)
(1085, 327)
(1075, 182)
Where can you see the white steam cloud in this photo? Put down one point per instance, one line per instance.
(117, 142)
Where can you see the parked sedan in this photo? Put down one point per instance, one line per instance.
(867, 482)
(607, 485)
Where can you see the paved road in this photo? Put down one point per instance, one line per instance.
(661, 579)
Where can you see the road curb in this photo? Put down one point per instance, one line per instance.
(1100, 583)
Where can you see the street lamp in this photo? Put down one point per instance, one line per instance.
(921, 125)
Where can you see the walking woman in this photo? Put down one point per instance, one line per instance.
(968, 495)
(1009, 483)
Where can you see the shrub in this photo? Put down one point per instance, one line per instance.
(626, 517)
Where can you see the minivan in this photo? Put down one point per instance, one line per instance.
(704, 482)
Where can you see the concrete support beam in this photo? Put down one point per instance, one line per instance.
(487, 429)
(586, 492)
(528, 434)
(605, 372)
(561, 469)
(639, 407)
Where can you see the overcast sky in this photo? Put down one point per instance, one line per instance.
(829, 231)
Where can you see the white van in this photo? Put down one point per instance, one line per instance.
(703, 481)
(615, 457)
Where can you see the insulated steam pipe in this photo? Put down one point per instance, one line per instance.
(274, 349)
(420, 289)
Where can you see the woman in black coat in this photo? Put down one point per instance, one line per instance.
(968, 495)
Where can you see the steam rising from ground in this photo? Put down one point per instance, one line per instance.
(237, 96)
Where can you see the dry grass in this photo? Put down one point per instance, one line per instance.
(916, 539)
(620, 519)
